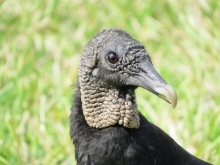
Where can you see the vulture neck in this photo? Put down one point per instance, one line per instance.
(104, 106)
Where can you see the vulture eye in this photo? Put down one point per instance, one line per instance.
(112, 58)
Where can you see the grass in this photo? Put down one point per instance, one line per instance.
(41, 42)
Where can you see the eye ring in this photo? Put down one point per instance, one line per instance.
(112, 58)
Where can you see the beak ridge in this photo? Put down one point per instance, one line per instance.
(149, 79)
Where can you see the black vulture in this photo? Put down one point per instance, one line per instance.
(105, 124)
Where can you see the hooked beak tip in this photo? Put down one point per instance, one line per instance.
(168, 94)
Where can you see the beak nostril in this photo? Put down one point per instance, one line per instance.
(153, 78)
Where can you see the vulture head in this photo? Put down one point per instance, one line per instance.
(112, 66)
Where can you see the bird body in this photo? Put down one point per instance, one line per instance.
(105, 124)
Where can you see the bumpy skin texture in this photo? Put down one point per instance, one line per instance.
(105, 124)
(103, 105)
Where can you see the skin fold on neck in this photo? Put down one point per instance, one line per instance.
(104, 106)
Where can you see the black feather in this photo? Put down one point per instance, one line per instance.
(117, 145)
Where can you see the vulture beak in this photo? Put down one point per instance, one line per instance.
(149, 79)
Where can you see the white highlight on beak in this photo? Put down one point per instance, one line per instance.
(167, 93)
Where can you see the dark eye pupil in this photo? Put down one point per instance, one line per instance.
(113, 58)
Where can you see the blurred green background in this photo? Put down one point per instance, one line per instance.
(41, 42)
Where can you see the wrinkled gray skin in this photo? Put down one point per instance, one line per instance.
(103, 101)
(105, 125)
